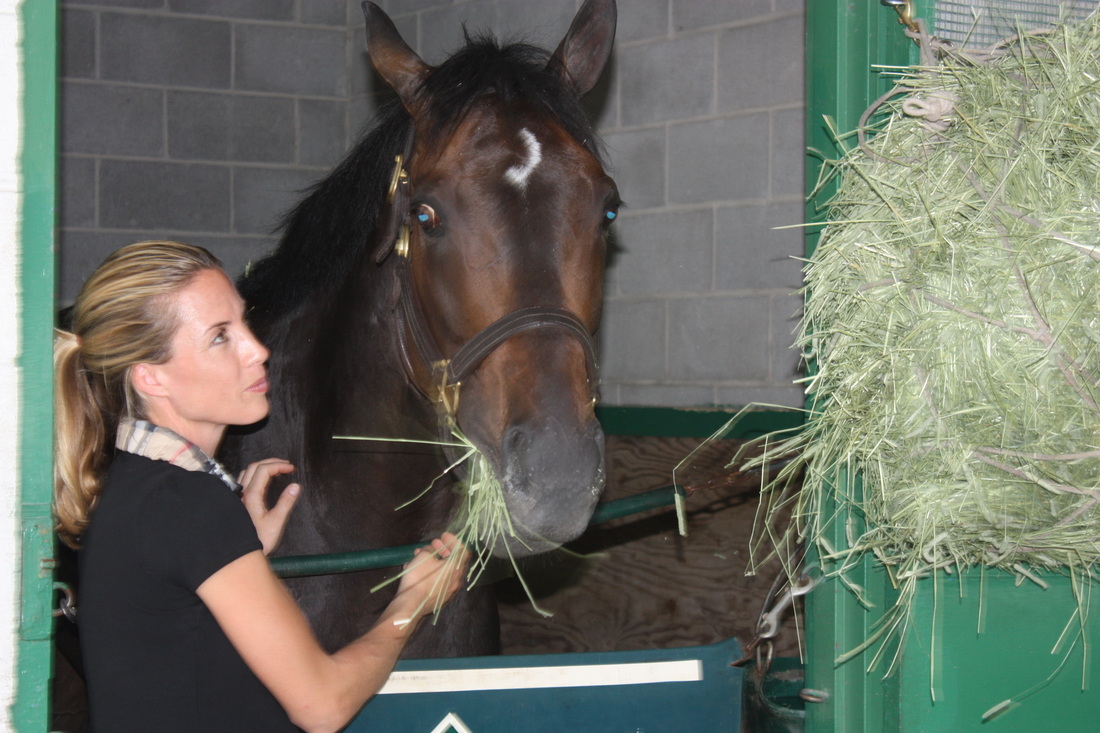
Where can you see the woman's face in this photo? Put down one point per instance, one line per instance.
(215, 376)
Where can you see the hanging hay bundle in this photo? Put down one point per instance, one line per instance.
(953, 317)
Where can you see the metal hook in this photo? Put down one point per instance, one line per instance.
(904, 9)
(770, 621)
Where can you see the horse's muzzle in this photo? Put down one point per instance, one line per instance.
(552, 477)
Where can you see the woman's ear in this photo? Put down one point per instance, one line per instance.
(146, 380)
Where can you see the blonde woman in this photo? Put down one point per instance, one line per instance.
(183, 624)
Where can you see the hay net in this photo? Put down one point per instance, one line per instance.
(953, 320)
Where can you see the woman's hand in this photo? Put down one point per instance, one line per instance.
(431, 578)
(270, 523)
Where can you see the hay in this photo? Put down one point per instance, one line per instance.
(953, 319)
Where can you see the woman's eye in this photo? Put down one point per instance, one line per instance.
(426, 217)
(219, 338)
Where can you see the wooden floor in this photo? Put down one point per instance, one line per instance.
(643, 585)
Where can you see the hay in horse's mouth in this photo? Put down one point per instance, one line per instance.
(482, 521)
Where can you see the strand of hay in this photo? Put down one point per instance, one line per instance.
(953, 318)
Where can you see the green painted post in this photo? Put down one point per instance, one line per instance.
(38, 19)
(845, 41)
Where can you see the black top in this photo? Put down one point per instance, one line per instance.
(154, 656)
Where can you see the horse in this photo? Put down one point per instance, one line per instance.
(449, 271)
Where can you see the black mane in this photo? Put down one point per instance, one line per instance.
(327, 233)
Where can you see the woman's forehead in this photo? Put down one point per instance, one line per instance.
(210, 298)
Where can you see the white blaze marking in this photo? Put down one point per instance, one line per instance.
(518, 174)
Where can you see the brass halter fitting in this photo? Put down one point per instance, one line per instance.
(401, 246)
(400, 176)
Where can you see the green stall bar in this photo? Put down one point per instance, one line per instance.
(38, 50)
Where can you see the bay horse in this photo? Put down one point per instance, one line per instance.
(461, 241)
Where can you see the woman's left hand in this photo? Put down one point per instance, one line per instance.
(270, 523)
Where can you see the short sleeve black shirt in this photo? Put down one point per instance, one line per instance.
(154, 656)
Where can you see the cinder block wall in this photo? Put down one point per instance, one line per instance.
(201, 119)
(194, 120)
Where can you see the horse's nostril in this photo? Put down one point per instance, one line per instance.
(515, 441)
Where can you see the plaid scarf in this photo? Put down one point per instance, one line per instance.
(143, 438)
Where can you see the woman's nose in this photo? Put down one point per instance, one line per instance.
(257, 351)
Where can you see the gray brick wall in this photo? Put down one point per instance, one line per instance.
(196, 120)
(201, 120)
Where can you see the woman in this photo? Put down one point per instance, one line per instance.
(183, 624)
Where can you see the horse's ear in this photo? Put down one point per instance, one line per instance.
(392, 58)
(584, 51)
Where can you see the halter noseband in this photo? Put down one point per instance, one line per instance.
(448, 373)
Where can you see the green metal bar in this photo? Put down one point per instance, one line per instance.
(669, 422)
(38, 161)
(845, 41)
(350, 562)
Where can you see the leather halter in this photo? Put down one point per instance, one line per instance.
(449, 372)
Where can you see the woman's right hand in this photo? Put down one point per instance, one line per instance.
(432, 577)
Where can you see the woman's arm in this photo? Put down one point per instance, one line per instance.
(321, 692)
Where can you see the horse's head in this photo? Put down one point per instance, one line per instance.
(506, 207)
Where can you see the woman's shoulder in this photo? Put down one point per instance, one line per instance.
(130, 468)
(146, 481)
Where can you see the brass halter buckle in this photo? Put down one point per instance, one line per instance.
(448, 391)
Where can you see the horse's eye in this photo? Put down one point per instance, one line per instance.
(426, 217)
(610, 214)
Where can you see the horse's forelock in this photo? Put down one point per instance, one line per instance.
(514, 72)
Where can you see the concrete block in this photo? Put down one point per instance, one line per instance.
(77, 44)
(637, 159)
(719, 338)
(163, 196)
(231, 127)
(277, 10)
(132, 4)
(667, 79)
(666, 395)
(641, 20)
(723, 159)
(751, 253)
(328, 12)
(199, 125)
(105, 119)
(290, 60)
(235, 251)
(441, 28)
(786, 318)
(666, 252)
(782, 6)
(781, 396)
(322, 132)
(691, 14)
(261, 196)
(761, 65)
(397, 8)
(788, 152)
(543, 23)
(80, 252)
(77, 202)
(632, 340)
(168, 51)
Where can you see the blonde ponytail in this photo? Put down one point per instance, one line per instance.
(122, 317)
